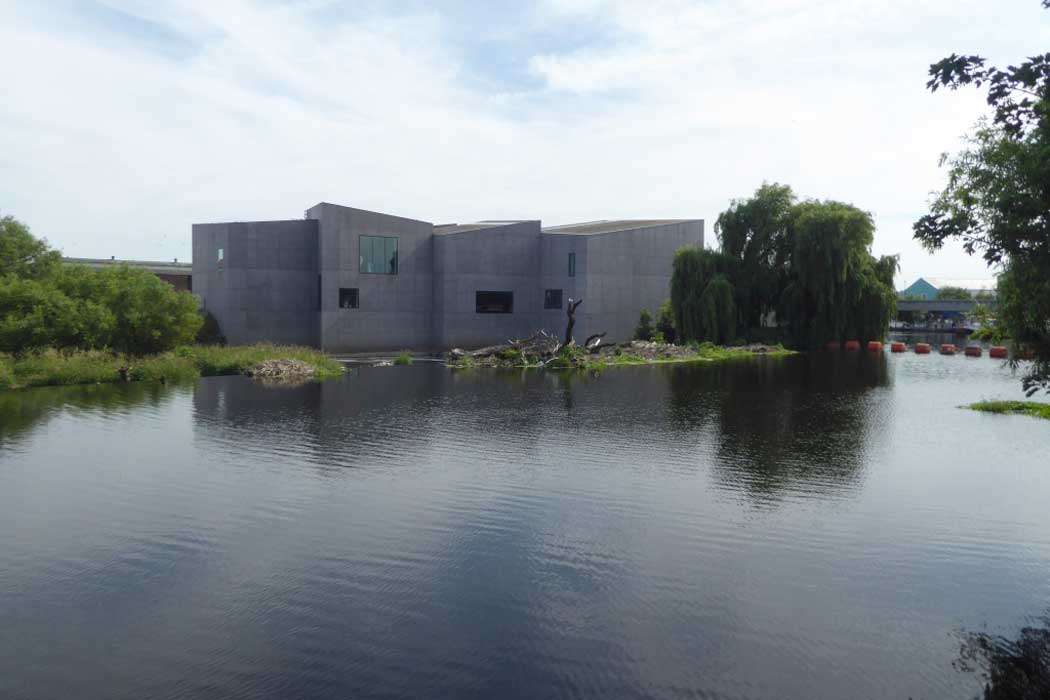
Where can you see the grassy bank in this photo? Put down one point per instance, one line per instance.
(618, 356)
(1028, 408)
(54, 368)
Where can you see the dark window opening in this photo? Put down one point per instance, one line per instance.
(572, 264)
(378, 255)
(552, 299)
(494, 302)
(348, 298)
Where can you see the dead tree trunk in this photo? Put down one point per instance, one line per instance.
(571, 311)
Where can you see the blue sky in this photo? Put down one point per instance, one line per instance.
(125, 121)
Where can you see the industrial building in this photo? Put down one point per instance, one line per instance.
(350, 280)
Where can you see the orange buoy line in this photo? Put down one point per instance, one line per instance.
(973, 351)
(896, 346)
(922, 348)
(853, 345)
(874, 346)
(947, 348)
(998, 352)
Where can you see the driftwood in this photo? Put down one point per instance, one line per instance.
(593, 342)
(571, 312)
(540, 343)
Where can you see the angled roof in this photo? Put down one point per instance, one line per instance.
(611, 225)
(444, 229)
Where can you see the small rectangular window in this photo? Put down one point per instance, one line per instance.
(552, 299)
(494, 302)
(572, 264)
(220, 256)
(348, 298)
(378, 255)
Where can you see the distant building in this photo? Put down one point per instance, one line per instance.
(927, 287)
(178, 275)
(346, 279)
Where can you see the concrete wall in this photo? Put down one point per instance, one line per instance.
(554, 274)
(395, 311)
(265, 288)
(504, 258)
(627, 271)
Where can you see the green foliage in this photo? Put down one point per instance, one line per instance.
(997, 198)
(1028, 408)
(756, 232)
(52, 367)
(403, 358)
(22, 255)
(665, 324)
(837, 288)
(644, 331)
(658, 337)
(698, 313)
(717, 317)
(45, 304)
(953, 294)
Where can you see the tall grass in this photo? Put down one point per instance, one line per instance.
(55, 368)
(403, 358)
(1028, 408)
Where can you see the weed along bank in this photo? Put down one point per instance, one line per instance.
(349, 280)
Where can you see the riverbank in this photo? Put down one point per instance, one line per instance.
(1028, 408)
(55, 368)
(636, 352)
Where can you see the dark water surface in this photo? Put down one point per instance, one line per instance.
(829, 526)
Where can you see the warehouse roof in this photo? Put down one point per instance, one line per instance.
(611, 225)
(170, 268)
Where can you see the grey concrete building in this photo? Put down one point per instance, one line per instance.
(350, 280)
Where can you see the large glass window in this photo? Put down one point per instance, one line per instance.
(378, 255)
(494, 302)
(552, 299)
(572, 264)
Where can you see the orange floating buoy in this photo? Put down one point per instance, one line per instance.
(896, 346)
(922, 348)
(874, 346)
(973, 351)
(853, 345)
(999, 352)
(1026, 354)
(832, 346)
(947, 349)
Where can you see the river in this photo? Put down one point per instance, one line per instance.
(821, 526)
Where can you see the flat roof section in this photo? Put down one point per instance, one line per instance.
(611, 225)
(172, 268)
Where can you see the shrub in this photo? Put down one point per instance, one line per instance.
(403, 358)
(210, 333)
(665, 322)
(644, 331)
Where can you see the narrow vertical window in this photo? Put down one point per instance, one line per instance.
(220, 255)
(572, 264)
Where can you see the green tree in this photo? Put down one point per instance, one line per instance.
(837, 289)
(149, 315)
(997, 199)
(696, 312)
(644, 331)
(953, 294)
(756, 232)
(22, 254)
(665, 323)
(35, 315)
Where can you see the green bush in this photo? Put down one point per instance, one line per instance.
(644, 331)
(209, 333)
(403, 358)
(665, 322)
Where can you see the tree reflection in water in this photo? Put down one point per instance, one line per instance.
(1012, 669)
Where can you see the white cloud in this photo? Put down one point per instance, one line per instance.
(112, 143)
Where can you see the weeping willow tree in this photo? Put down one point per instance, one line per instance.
(704, 295)
(837, 289)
